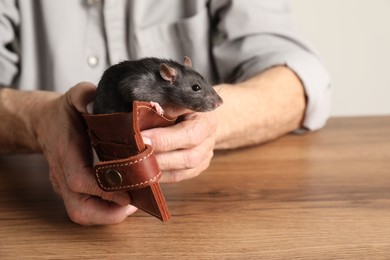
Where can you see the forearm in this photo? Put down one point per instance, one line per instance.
(260, 109)
(18, 111)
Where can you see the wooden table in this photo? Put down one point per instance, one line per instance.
(322, 195)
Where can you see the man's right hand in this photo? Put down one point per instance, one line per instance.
(52, 124)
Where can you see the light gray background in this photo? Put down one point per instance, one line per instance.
(353, 39)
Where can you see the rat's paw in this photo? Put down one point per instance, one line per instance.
(157, 107)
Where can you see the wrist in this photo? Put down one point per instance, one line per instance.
(260, 109)
(22, 111)
(38, 106)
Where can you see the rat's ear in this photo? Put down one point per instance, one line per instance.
(187, 62)
(167, 73)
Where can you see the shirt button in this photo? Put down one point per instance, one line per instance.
(93, 61)
(92, 2)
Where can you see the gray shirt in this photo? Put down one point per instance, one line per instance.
(54, 44)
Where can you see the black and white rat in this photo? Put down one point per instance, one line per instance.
(161, 81)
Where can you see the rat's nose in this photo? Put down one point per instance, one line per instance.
(218, 102)
(213, 101)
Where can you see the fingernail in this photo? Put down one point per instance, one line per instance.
(147, 140)
(130, 210)
(90, 108)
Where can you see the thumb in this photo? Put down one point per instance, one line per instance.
(81, 95)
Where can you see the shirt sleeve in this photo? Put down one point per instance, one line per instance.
(9, 20)
(251, 36)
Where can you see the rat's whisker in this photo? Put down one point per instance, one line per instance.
(219, 88)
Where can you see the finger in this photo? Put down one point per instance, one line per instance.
(81, 95)
(77, 173)
(54, 182)
(181, 175)
(88, 210)
(82, 181)
(186, 158)
(80, 176)
(91, 210)
(186, 134)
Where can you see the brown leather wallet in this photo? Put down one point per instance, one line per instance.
(126, 163)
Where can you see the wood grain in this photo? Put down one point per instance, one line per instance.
(322, 195)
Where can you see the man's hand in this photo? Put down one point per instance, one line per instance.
(63, 140)
(184, 150)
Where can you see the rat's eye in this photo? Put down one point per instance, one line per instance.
(196, 87)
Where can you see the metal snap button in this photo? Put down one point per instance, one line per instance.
(92, 2)
(113, 177)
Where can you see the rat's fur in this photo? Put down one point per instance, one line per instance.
(144, 80)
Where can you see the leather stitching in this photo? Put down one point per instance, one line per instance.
(98, 168)
(131, 186)
(123, 164)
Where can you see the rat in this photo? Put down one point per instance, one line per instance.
(162, 82)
